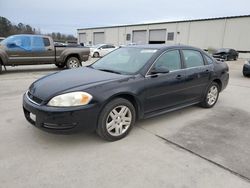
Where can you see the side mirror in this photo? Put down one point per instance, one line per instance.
(159, 70)
(11, 45)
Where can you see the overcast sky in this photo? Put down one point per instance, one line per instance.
(67, 16)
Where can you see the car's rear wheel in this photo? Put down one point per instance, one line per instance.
(96, 55)
(212, 95)
(72, 62)
(116, 120)
(0, 68)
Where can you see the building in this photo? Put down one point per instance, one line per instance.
(223, 32)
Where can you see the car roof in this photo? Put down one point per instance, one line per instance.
(160, 46)
(28, 35)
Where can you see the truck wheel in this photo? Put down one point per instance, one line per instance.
(72, 62)
(116, 120)
(60, 65)
(96, 55)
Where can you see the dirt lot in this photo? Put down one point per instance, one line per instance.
(192, 147)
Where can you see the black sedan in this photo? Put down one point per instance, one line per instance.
(226, 53)
(246, 69)
(128, 84)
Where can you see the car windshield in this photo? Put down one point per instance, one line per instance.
(124, 60)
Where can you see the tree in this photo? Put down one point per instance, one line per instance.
(7, 28)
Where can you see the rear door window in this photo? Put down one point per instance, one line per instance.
(193, 58)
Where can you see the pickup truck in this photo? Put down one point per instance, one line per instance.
(38, 49)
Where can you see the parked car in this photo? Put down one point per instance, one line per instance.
(101, 50)
(246, 68)
(37, 49)
(226, 53)
(1, 38)
(130, 83)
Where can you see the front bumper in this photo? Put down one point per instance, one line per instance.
(61, 120)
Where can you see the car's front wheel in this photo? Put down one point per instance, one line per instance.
(212, 95)
(72, 62)
(116, 119)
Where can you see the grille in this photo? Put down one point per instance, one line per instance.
(34, 99)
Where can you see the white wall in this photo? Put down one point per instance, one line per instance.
(218, 33)
(237, 34)
(206, 34)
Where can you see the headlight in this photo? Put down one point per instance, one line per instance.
(70, 99)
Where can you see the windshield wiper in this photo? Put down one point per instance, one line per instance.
(112, 71)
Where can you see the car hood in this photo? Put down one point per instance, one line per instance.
(49, 86)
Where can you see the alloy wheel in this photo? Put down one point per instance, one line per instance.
(212, 95)
(73, 64)
(118, 120)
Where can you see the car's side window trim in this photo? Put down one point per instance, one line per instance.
(169, 50)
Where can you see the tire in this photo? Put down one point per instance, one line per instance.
(72, 62)
(60, 65)
(1, 68)
(211, 96)
(122, 122)
(96, 55)
(246, 75)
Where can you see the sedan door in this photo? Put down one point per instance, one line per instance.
(198, 74)
(165, 90)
